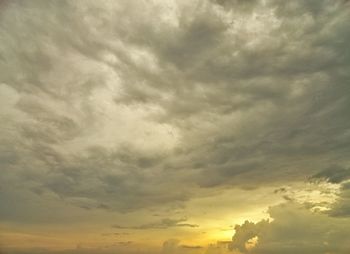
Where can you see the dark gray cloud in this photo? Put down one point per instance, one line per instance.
(333, 174)
(131, 105)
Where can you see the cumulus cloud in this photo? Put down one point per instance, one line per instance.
(294, 229)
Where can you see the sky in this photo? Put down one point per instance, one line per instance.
(174, 127)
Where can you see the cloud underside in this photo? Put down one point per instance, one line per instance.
(144, 98)
(127, 105)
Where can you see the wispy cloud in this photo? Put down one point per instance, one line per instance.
(162, 224)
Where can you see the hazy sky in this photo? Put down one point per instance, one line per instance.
(175, 127)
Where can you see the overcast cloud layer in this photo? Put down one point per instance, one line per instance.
(118, 107)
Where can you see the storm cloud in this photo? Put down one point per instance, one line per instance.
(128, 106)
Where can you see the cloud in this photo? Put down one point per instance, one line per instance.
(121, 248)
(338, 175)
(173, 246)
(116, 109)
(341, 208)
(293, 229)
(130, 105)
(162, 224)
(191, 247)
(333, 174)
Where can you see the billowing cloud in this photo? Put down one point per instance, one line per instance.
(138, 98)
(293, 229)
(113, 108)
